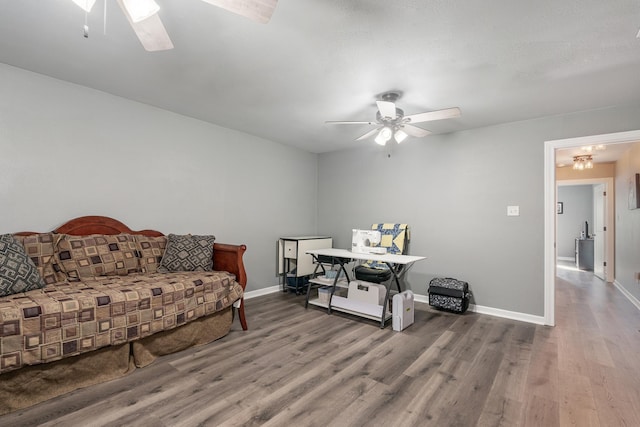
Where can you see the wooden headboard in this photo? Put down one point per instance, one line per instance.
(226, 257)
(86, 225)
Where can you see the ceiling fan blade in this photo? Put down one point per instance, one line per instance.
(150, 32)
(387, 109)
(368, 134)
(331, 122)
(256, 10)
(415, 131)
(86, 5)
(448, 113)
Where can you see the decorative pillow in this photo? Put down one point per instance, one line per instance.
(17, 272)
(150, 251)
(81, 257)
(40, 248)
(187, 253)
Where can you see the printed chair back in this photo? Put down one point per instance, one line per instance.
(394, 237)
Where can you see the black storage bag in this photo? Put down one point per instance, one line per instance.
(373, 275)
(446, 293)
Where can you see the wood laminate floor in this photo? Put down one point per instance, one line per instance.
(297, 367)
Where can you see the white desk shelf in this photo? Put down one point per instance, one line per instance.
(359, 308)
(322, 280)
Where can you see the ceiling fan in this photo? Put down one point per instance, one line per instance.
(392, 123)
(144, 19)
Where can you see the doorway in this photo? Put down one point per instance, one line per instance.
(550, 207)
(585, 225)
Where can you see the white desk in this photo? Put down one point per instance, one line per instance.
(343, 256)
(386, 258)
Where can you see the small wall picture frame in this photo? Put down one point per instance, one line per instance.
(634, 190)
(559, 208)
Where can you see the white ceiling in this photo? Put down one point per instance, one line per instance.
(317, 60)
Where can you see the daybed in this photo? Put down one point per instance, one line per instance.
(109, 305)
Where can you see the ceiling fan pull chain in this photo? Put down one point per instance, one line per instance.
(86, 27)
(104, 19)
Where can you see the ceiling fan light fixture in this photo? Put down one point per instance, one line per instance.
(139, 10)
(391, 122)
(85, 5)
(400, 136)
(383, 136)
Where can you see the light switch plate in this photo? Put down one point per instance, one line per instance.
(513, 210)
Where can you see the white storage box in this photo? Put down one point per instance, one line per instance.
(403, 310)
(324, 294)
(330, 274)
(371, 293)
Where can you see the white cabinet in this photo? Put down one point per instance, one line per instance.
(293, 260)
(584, 254)
(290, 249)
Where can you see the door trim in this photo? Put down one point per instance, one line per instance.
(550, 205)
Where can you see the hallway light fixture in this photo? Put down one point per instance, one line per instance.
(583, 162)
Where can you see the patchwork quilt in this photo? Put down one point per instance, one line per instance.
(73, 317)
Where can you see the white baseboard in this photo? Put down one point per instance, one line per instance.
(522, 317)
(261, 292)
(421, 298)
(566, 258)
(627, 294)
(513, 315)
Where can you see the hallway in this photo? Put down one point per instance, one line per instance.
(596, 343)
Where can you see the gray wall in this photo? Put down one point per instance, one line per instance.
(69, 151)
(627, 224)
(578, 207)
(454, 190)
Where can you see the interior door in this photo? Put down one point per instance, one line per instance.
(599, 230)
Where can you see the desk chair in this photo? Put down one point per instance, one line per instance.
(394, 237)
